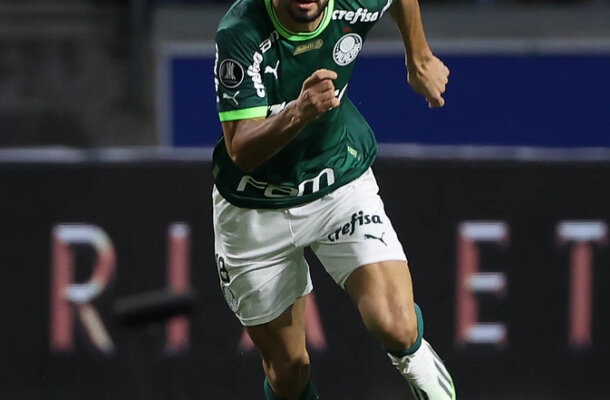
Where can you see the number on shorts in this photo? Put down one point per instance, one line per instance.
(222, 269)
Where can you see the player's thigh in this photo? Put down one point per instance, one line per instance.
(359, 232)
(284, 337)
(261, 272)
(383, 293)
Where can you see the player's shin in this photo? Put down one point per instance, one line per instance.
(310, 392)
(423, 369)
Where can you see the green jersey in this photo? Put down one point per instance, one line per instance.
(259, 68)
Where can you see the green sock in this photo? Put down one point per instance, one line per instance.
(310, 392)
(269, 393)
(420, 335)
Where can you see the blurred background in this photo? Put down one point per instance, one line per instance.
(84, 73)
(109, 285)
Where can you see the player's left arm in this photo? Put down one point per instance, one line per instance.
(426, 73)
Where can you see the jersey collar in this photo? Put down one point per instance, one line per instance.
(298, 36)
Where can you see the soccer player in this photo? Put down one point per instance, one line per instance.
(293, 170)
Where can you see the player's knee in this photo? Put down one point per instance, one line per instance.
(396, 330)
(285, 371)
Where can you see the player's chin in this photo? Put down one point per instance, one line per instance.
(305, 11)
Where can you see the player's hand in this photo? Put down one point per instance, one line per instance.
(317, 94)
(429, 78)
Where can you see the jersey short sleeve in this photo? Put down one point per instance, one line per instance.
(239, 90)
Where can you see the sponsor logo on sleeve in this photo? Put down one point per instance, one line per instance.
(254, 72)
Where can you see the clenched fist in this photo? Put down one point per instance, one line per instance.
(317, 94)
(429, 78)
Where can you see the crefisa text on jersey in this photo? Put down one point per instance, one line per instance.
(360, 15)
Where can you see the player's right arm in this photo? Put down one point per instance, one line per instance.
(250, 142)
(426, 73)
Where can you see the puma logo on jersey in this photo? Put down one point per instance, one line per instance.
(369, 236)
(226, 96)
(270, 70)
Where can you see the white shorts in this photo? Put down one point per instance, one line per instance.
(260, 252)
